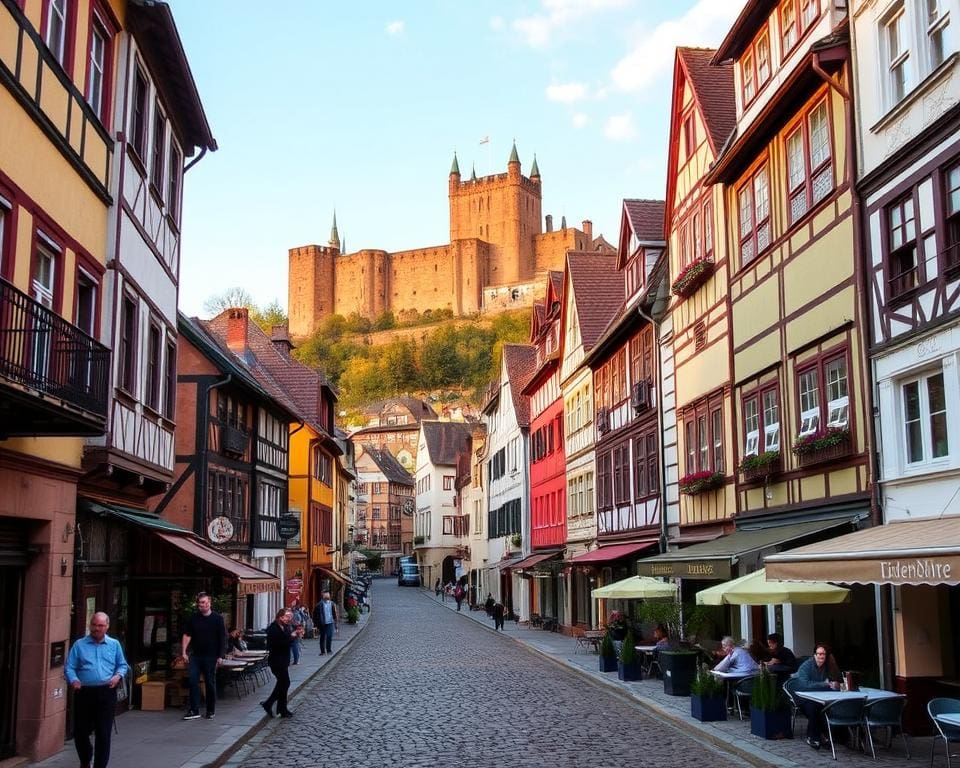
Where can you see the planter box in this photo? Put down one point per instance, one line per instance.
(823, 455)
(608, 664)
(679, 670)
(770, 725)
(761, 473)
(686, 286)
(708, 710)
(628, 672)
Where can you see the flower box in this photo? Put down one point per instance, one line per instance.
(692, 276)
(758, 468)
(822, 446)
(700, 482)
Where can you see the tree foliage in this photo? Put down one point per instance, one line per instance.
(267, 317)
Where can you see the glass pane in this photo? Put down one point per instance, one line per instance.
(761, 194)
(717, 428)
(911, 418)
(795, 165)
(819, 136)
(836, 379)
(936, 397)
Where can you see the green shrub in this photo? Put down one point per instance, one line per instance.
(353, 615)
(628, 654)
(705, 685)
(767, 695)
(607, 650)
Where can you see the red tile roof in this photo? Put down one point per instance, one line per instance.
(646, 218)
(597, 291)
(520, 361)
(714, 90)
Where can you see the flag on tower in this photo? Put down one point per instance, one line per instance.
(485, 140)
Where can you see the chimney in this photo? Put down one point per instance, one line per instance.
(237, 318)
(280, 338)
(588, 228)
(549, 222)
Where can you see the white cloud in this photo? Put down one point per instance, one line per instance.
(620, 127)
(496, 22)
(396, 27)
(652, 57)
(566, 93)
(557, 16)
(580, 120)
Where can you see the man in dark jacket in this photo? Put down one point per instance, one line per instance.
(325, 618)
(204, 642)
(280, 636)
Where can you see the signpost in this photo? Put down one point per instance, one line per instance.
(288, 526)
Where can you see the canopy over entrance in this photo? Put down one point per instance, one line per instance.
(754, 589)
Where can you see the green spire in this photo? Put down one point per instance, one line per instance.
(514, 157)
(334, 235)
(473, 173)
(535, 171)
(455, 168)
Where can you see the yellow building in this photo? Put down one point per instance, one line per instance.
(56, 157)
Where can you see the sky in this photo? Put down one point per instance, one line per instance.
(358, 108)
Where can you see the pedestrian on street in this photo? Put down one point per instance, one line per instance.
(436, 588)
(95, 667)
(458, 595)
(488, 605)
(325, 618)
(280, 638)
(204, 642)
(296, 622)
(498, 615)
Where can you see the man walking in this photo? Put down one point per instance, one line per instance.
(205, 639)
(95, 667)
(325, 618)
(280, 638)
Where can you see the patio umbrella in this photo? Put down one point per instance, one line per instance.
(635, 587)
(754, 589)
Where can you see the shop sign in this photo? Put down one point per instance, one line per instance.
(920, 571)
(288, 526)
(686, 569)
(294, 586)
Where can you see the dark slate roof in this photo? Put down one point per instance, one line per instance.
(597, 291)
(714, 90)
(520, 361)
(392, 469)
(646, 218)
(445, 440)
(417, 408)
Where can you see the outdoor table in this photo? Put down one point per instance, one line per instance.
(732, 678)
(828, 697)
(249, 654)
(233, 662)
(950, 719)
(648, 652)
(593, 638)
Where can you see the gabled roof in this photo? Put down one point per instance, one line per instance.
(713, 88)
(645, 218)
(445, 440)
(556, 284)
(417, 408)
(754, 14)
(597, 287)
(391, 468)
(520, 362)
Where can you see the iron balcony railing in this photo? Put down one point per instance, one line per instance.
(41, 351)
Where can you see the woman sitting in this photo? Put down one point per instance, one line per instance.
(235, 642)
(818, 673)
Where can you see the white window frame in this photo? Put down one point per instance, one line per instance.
(57, 13)
(97, 60)
(838, 393)
(896, 62)
(771, 419)
(751, 425)
(809, 398)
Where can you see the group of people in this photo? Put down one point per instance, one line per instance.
(455, 589)
(96, 665)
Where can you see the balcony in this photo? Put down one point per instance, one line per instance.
(53, 376)
(233, 440)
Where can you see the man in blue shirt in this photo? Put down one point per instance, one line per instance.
(736, 659)
(95, 667)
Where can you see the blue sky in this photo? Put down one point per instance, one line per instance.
(360, 106)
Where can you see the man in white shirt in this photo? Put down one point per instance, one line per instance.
(737, 659)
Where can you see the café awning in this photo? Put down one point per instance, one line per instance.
(332, 574)
(714, 560)
(612, 552)
(634, 588)
(534, 559)
(910, 552)
(250, 580)
(754, 589)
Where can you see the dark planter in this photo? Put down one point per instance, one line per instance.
(608, 664)
(629, 672)
(709, 709)
(770, 724)
(679, 670)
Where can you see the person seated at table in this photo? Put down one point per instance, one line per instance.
(736, 658)
(235, 642)
(661, 638)
(818, 673)
(782, 662)
(758, 652)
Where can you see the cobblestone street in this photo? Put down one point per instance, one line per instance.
(423, 687)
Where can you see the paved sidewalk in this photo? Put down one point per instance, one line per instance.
(165, 740)
(731, 735)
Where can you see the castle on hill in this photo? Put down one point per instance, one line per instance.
(500, 252)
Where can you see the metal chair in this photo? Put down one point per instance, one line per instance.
(790, 687)
(652, 666)
(844, 713)
(949, 733)
(885, 713)
(744, 690)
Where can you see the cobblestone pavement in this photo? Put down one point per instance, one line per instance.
(422, 687)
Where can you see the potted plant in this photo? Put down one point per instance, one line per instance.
(769, 711)
(608, 654)
(692, 277)
(353, 614)
(418, 540)
(516, 540)
(759, 466)
(822, 445)
(706, 697)
(700, 482)
(617, 626)
(629, 666)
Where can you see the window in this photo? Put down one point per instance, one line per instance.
(703, 436)
(43, 283)
(56, 37)
(4, 218)
(788, 27)
(159, 136)
(100, 63)
(952, 207)
(896, 51)
(621, 473)
(761, 417)
(153, 367)
(86, 309)
(925, 419)
(937, 21)
(809, 166)
(754, 207)
(762, 55)
(128, 344)
(448, 482)
(749, 77)
(646, 481)
(689, 134)
(138, 118)
(824, 383)
(902, 234)
(170, 386)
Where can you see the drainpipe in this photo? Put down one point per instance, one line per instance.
(197, 159)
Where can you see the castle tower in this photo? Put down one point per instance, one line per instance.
(311, 282)
(502, 210)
